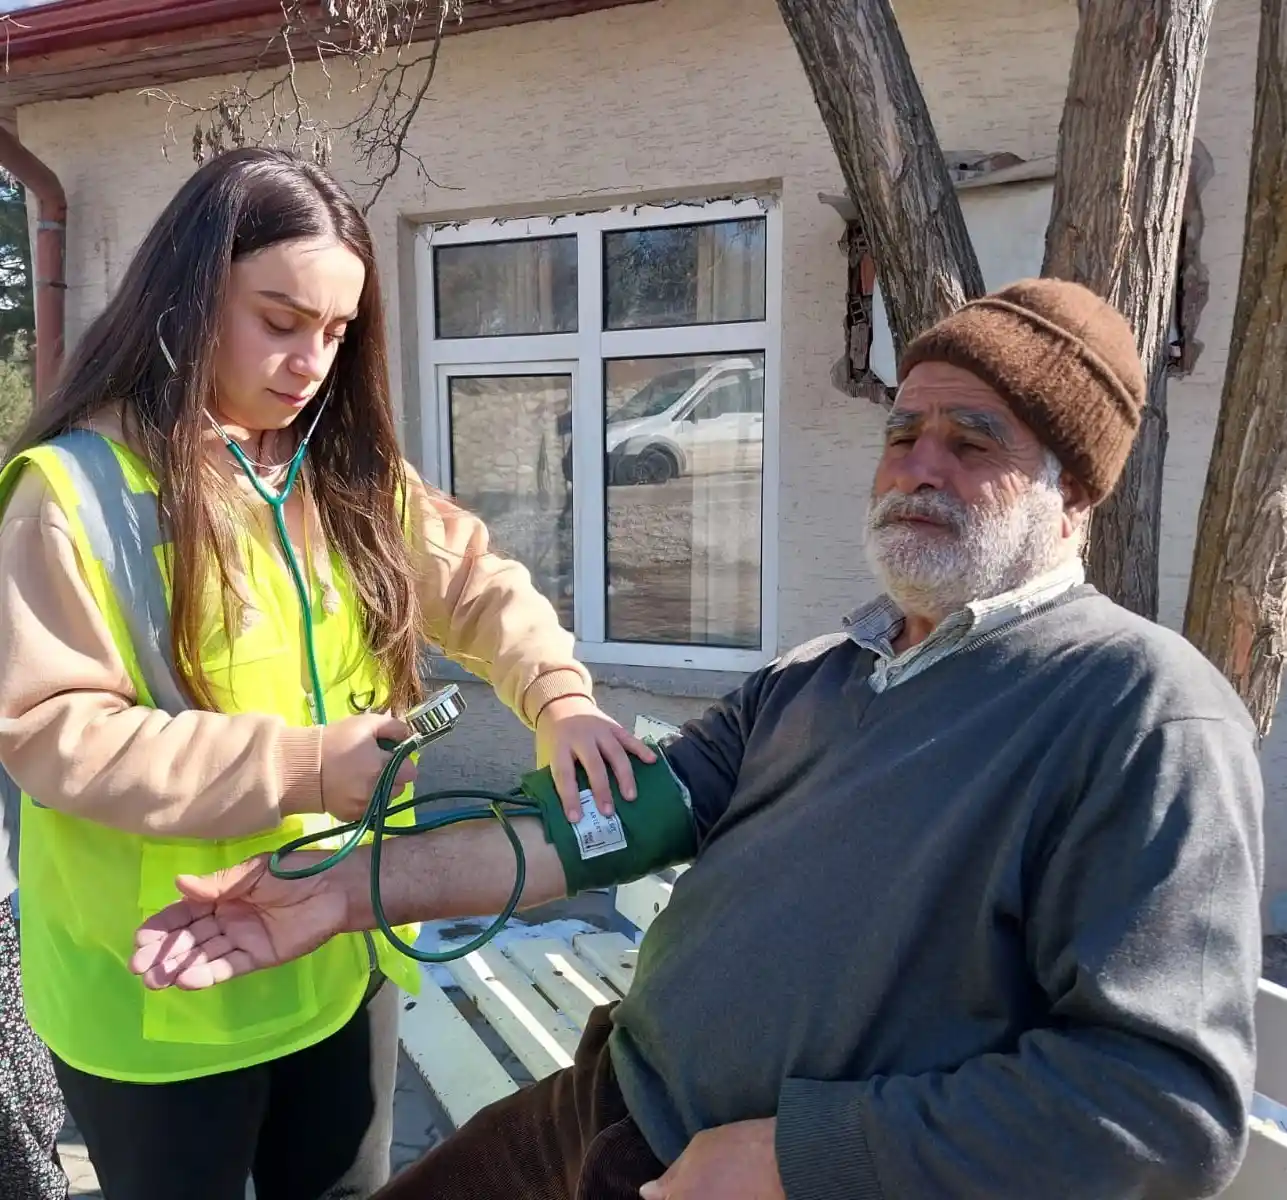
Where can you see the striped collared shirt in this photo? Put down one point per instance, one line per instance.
(876, 625)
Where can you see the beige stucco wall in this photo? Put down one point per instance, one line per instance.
(706, 96)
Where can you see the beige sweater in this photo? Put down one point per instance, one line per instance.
(73, 735)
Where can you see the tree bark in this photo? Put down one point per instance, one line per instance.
(880, 127)
(1125, 144)
(1238, 584)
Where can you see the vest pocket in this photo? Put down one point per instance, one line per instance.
(262, 1004)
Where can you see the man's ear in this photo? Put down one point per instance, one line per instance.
(1076, 497)
(1077, 507)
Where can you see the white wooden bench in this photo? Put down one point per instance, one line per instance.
(536, 989)
(535, 986)
(1264, 1170)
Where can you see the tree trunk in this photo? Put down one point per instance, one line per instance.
(1125, 143)
(875, 114)
(1238, 585)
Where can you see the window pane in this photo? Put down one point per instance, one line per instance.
(511, 438)
(684, 275)
(491, 289)
(685, 452)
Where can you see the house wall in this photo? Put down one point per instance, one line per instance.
(706, 96)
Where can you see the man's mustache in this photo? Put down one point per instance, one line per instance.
(928, 506)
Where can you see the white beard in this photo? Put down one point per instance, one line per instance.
(983, 551)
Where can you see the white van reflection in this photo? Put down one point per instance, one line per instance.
(689, 421)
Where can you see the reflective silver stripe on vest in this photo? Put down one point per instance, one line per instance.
(124, 531)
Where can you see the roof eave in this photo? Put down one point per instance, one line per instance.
(75, 49)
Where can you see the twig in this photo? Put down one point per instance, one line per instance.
(372, 36)
(9, 23)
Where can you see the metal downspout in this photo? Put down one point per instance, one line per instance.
(49, 254)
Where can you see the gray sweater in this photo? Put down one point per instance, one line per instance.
(993, 933)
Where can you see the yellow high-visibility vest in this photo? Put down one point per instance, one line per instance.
(85, 887)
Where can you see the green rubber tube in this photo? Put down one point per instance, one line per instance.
(653, 831)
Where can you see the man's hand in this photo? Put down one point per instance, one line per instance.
(731, 1162)
(574, 729)
(235, 921)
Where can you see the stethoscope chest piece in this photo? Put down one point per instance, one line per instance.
(438, 714)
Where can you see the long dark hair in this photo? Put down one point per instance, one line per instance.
(239, 203)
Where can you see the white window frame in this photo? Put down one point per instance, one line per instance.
(585, 352)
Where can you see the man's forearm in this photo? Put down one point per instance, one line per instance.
(1079, 1114)
(462, 870)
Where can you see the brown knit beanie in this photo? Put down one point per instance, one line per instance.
(1062, 358)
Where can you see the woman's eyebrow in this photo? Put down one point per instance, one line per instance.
(311, 313)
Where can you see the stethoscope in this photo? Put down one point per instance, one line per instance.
(427, 722)
(276, 501)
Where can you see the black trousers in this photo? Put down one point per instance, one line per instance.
(315, 1124)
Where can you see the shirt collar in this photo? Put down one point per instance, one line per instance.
(876, 624)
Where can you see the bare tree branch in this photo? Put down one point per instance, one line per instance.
(9, 23)
(372, 37)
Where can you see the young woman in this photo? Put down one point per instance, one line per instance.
(165, 708)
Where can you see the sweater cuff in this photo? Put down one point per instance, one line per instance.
(299, 770)
(821, 1147)
(554, 685)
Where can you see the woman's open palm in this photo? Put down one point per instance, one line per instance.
(233, 922)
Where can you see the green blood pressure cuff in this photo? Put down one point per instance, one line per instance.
(651, 832)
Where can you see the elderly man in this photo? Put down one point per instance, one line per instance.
(975, 912)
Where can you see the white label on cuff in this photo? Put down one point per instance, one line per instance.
(595, 833)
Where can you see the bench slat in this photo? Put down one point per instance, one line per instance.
(1271, 1041)
(641, 902)
(570, 983)
(1263, 1175)
(611, 954)
(542, 1039)
(449, 1056)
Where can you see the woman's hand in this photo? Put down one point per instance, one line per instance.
(352, 759)
(573, 729)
